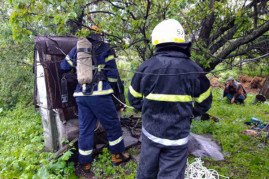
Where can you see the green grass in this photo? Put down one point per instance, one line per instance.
(103, 168)
(252, 160)
(21, 144)
(21, 147)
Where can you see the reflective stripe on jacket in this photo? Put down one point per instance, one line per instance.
(105, 59)
(169, 102)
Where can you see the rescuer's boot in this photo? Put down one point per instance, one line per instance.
(86, 168)
(120, 158)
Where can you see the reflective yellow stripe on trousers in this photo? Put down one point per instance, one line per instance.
(115, 142)
(85, 152)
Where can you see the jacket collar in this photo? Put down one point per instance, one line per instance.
(174, 49)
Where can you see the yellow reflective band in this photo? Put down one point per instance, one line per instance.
(85, 152)
(134, 93)
(168, 40)
(115, 142)
(100, 66)
(103, 92)
(100, 86)
(69, 60)
(112, 79)
(166, 142)
(111, 57)
(179, 40)
(169, 97)
(203, 96)
(79, 94)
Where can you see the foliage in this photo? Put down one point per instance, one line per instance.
(103, 168)
(220, 30)
(252, 160)
(225, 30)
(16, 74)
(225, 75)
(255, 70)
(59, 168)
(15, 85)
(21, 144)
(21, 141)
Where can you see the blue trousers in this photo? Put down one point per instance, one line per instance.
(238, 99)
(161, 162)
(91, 108)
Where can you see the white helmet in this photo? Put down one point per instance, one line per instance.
(169, 30)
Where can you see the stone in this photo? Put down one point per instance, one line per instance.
(128, 139)
(204, 146)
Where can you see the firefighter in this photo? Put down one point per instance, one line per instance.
(97, 104)
(168, 100)
(234, 91)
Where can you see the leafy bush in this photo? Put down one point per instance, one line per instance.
(103, 167)
(16, 85)
(225, 75)
(21, 146)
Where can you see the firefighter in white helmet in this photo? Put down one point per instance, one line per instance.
(168, 102)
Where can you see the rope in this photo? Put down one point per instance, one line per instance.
(196, 170)
(176, 74)
(158, 74)
(97, 127)
(125, 105)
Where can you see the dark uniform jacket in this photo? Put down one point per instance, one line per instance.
(168, 102)
(105, 59)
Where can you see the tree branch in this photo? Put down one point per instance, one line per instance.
(95, 30)
(237, 43)
(259, 45)
(93, 2)
(119, 7)
(255, 34)
(133, 43)
(223, 29)
(223, 40)
(104, 12)
(207, 25)
(130, 12)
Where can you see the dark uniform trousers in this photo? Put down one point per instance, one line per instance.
(157, 161)
(91, 108)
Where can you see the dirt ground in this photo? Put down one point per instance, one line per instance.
(251, 84)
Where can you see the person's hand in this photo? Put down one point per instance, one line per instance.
(232, 101)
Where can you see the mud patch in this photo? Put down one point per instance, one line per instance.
(251, 84)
